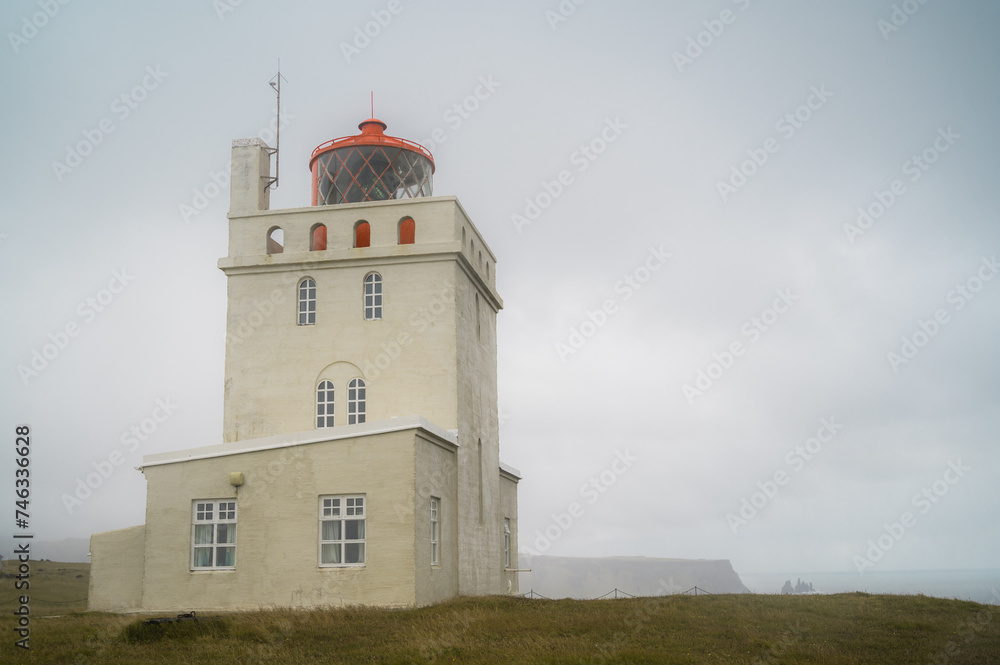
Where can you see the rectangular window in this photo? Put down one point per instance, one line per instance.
(213, 535)
(341, 531)
(435, 530)
(506, 542)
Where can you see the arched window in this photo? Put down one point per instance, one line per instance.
(463, 238)
(324, 404)
(356, 401)
(317, 239)
(275, 240)
(363, 234)
(373, 296)
(407, 231)
(307, 302)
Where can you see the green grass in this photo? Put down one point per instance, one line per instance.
(837, 629)
(56, 588)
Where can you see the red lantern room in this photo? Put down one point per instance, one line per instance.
(370, 167)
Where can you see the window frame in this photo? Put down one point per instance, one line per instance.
(342, 518)
(435, 531)
(328, 403)
(215, 519)
(373, 310)
(357, 401)
(309, 284)
(506, 543)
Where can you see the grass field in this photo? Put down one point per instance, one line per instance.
(837, 629)
(56, 588)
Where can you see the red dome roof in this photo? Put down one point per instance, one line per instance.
(372, 133)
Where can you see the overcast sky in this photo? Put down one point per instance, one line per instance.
(740, 138)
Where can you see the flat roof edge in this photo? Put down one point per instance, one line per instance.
(510, 471)
(299, 439)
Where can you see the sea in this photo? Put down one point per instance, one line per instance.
(980, 586)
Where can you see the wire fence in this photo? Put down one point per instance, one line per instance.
(618, 593)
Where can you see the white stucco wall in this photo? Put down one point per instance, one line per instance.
(400, 356)
(277, 551)
(437, 476)
(116, 570)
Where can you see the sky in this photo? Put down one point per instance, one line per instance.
(747, 251)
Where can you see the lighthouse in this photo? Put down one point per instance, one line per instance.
(359, 461)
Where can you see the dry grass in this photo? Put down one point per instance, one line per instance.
(840, 629)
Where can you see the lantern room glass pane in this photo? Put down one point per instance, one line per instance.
(372, 173)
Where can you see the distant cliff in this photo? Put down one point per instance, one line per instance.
(579, 577)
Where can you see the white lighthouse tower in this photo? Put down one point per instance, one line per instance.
(360, 458)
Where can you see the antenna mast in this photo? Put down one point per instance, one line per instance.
(276, 84)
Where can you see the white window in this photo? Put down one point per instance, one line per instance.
(324, 404)
(373, 296)
(342, 530)
(435, 530)
(213, 535)
(356, 401)
(307, 302)
(506, 542)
